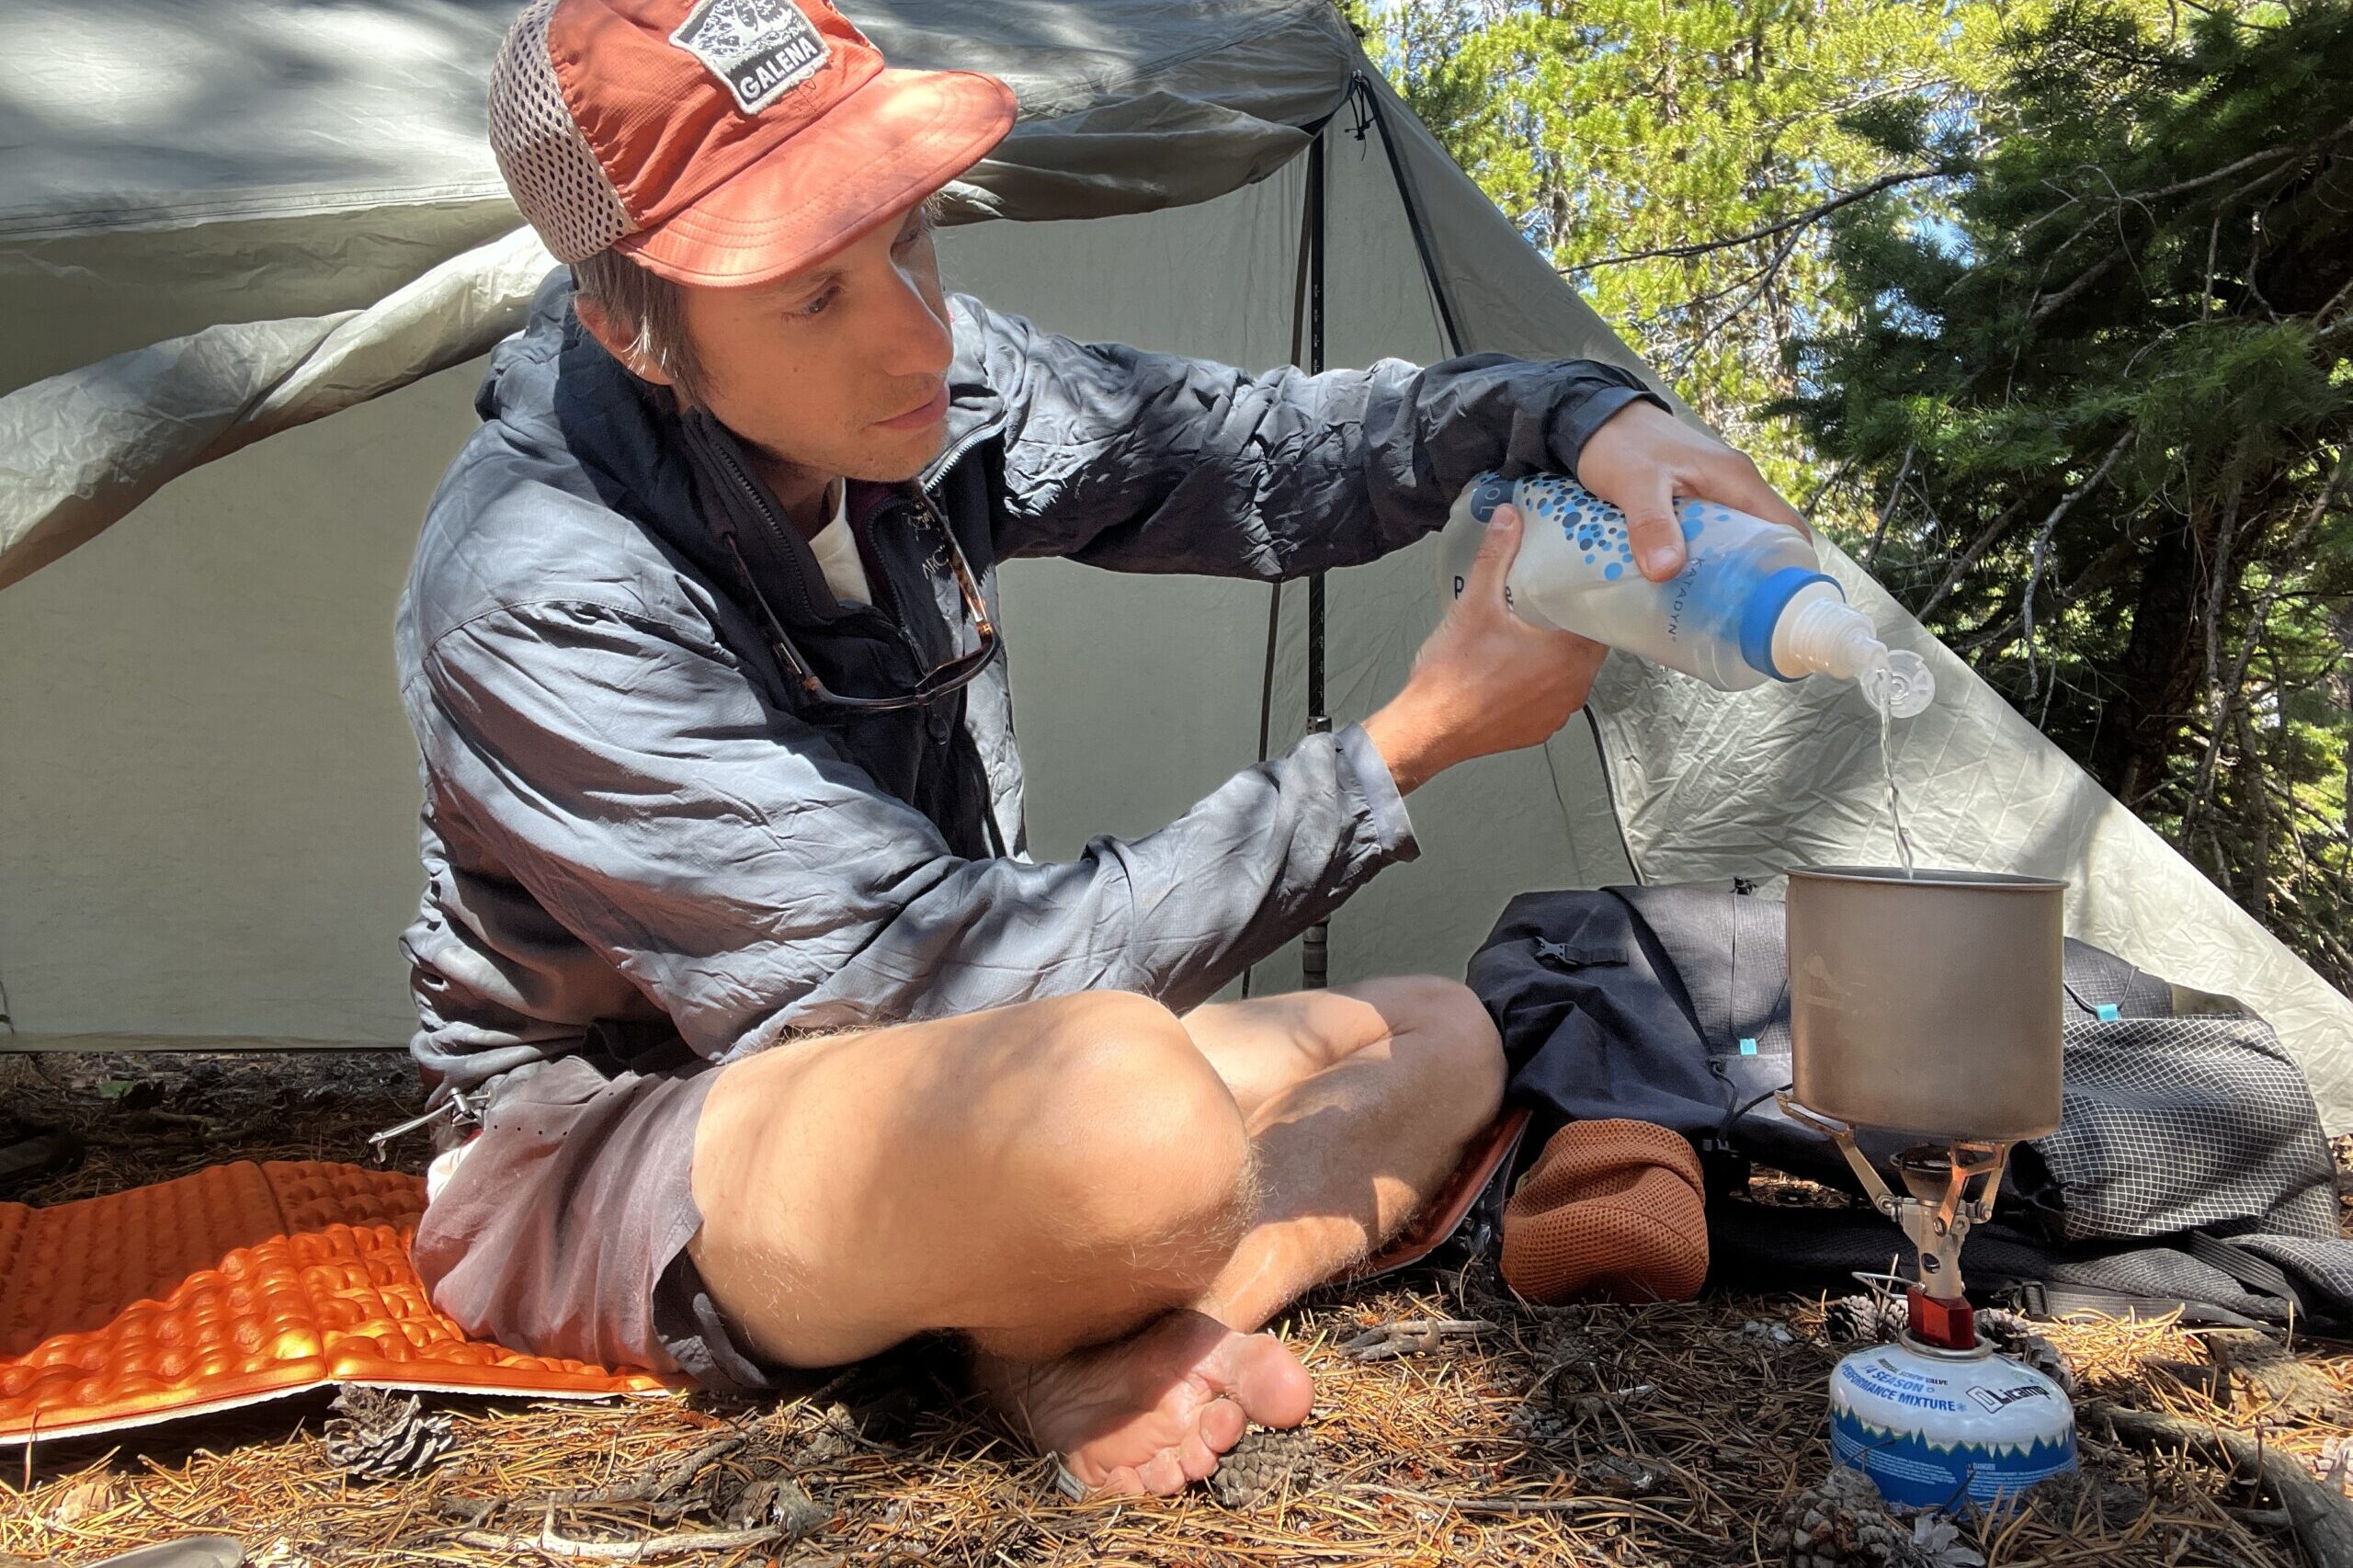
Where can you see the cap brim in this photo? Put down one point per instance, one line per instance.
(879, 150)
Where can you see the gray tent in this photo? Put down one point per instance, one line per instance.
(219, 223)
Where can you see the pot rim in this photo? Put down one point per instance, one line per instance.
(1927, 876)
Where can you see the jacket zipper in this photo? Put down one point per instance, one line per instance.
(950, 458)
(924, 487)
(751, 492)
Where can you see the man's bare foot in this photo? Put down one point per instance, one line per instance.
(1153, 1412)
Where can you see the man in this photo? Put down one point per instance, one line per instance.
(782, 1049)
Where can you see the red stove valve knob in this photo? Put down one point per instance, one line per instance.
(1935, 1320)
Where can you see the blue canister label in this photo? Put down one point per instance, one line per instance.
(1913, 1473)
(1935, 1434)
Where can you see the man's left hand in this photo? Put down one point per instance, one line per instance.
(1642, 457)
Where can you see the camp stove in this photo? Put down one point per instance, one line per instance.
(1927, 1005)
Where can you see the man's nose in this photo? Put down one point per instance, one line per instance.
(920, 342)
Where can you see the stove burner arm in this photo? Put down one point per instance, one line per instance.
(1948, 1195)
(1838, 1133)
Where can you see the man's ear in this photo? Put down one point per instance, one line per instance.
(621, 345)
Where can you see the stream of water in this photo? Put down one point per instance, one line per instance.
(1887, 766)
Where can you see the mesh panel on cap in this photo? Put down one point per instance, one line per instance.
(551, 172)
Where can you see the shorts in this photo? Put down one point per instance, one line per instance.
(562, 1231)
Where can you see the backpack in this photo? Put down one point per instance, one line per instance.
(2189, 1171)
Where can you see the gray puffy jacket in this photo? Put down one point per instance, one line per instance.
(631, 824)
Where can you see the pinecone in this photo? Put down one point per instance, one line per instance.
(1612, 1476)
(834, 1437)
(1844, 1523)
(1863, 1319)
(2014, 1336)
(1263, 1465)
(1571, 1373)
(1540, 1425)
(778, 1499)
(381, 1437)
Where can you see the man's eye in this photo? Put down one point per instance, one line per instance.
(816, 307)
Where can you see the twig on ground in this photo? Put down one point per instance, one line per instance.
(1484, 1503)
(2321, 1521)
(659, 1485)
(678, 1543)
(1411, 1336)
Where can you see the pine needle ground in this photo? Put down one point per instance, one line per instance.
(1491, 1433)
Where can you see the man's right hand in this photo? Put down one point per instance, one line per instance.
(1486, 681)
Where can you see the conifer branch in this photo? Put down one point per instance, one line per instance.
(1797, 220)
(2226, 690)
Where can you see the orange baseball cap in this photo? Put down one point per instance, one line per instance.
(723, 142)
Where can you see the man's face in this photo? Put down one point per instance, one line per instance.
(839, 369)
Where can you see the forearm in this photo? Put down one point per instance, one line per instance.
(1173, 914)
(1412, 743)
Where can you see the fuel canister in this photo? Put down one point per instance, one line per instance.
(1939, 1428)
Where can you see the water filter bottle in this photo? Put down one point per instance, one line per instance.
(1751, 603)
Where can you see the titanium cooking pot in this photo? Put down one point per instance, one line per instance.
(1927, 1005)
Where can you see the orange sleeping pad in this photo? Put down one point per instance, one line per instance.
(240, 1283)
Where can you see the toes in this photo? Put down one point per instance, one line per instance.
(1197, 1459)
(1163, 1475)
(1272, 1387)
(1122, 1481)
(1222, 1423)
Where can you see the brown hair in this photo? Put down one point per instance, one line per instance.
(651, 310)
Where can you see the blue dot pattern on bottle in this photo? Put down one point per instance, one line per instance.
(1593, 525)
(1698, 515)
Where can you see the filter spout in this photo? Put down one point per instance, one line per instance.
(1819, 633)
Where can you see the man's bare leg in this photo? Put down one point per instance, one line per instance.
(1359, 1101)
(1057, 1175)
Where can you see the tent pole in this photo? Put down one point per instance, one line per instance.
(1370, 110)
(1275, 590)
(1314, 947)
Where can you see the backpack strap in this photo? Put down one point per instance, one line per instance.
(2042, 1300)
(2258, 1273)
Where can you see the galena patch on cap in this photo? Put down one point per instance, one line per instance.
(761, 49)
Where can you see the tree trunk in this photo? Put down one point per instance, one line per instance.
(2164, 664)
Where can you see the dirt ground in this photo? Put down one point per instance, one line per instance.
(1485, 1432)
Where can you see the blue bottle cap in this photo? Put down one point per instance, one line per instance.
(1763, 613)
(1492, 490)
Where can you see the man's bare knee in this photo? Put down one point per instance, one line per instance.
(1137, 1144)
(1445, 1031)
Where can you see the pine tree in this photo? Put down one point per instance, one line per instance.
(1665, 155)
(2101, 414)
